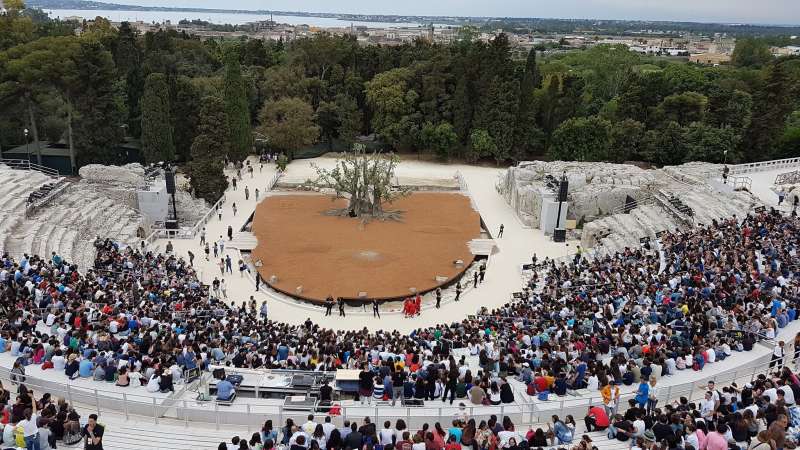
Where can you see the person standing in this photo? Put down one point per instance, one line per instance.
(328, 305)
(264, 310)
(258, 280)
(475, 279)
(500, 234)
(375, 310)
(483, 271)
(219, 211)
(222, 267)
(208, 252)
(234, 184)
(191, 258)
(398, 380)
(203, 236)
(781, 196)
(777, 355)
(438, 297)
(257, 193)
(30, 428)
(246, 193)
(216, 250)
(341, 307)
(234, 209)
(458, 289)
(229, 264)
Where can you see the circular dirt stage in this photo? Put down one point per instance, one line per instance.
(337, 256)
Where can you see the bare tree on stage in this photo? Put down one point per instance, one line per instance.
(366, 181)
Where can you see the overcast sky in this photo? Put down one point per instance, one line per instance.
(750, 11)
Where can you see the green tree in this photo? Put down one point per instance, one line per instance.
(327, 118)
(185, 106)
(527, 134)
(684, 108)
(771, 105)
(729, 108)
(289, 124)
(209, 147)
(236, 107)
(582, 139)
(706, 143)
(751, 52)
(481, 145)
(349, 118)
(393, 102)
(99, 107)
(665, 146)
(15, 28)
(626, 140)
(441, 137)
(157, 142)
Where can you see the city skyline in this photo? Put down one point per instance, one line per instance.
(780, 12)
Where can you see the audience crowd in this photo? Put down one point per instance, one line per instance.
(138, 318)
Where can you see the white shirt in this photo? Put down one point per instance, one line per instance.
(707, 407)
(309, 427)
(29, 426)
(788, 395)
(327, 427)
(59, 363)
(386, 436)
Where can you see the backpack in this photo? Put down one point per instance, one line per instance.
(531, 389)
(543, 395)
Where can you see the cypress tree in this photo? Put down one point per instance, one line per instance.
(236, 107)
(157, 142)
(527, 132)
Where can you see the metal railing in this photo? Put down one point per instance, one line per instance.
(61, 186)
(184, 233)
(24, 164)
(526, 411)
(762, 166)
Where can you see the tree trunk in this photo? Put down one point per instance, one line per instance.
(34, 130)
(73, 166)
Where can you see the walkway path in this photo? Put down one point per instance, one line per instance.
(515, 248)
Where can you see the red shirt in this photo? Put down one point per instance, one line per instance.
(600, 416)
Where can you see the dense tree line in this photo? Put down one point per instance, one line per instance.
(197, 102)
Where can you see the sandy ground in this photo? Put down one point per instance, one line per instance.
(337, 256)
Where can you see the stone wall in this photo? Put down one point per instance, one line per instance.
(597, 194)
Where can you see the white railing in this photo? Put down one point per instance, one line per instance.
(274, 180)
(762, 166)
(25, 164)
(526, 411)
(464, 187)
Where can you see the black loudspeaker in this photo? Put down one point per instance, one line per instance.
(559, 235)
(171, 224)
(169, 176)
(563, 186)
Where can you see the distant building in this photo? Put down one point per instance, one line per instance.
(711, 59)
(790, 50)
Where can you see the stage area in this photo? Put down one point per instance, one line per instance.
(337, 256)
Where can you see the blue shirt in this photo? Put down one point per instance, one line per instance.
(224, 390)
(2, 345)
(85, 368)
